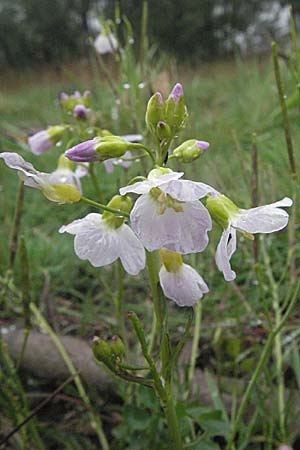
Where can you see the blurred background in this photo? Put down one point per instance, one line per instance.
(38, 32)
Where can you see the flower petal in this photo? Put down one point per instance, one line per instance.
(132, 252)
(94, 241)
(182, 232)
(143, 187)
(185, 286)
(263, 219)
(186, 190)
(225, 250)
(30, 176)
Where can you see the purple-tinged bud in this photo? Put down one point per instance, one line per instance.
(176, 92)
(87, 94)
(284, 447)
(203, 145)
(190, 150)
(80, 111)
(83, 152)
(77, 94)
(40, 142)
(63, 96)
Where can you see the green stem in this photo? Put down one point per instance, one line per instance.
(259, 368)
(94, 419)
(16, 225)
(173, 425)
(150, 153)
(195, 344)
(118, 212)
(95, 183)
(277, 343)
(284, 113)
(152, 266)
(164, 392)
(118, 300)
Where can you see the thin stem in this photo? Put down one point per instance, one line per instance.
(16, 225)
(118, 300)
(152, 266)
(259, 368)
(284, 113)
(118, 212)
(150, 153)
(95, 183)
(195, 345)
(254, 189)
(277, 343)
(94, 419)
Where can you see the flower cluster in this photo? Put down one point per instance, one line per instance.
(170, 215)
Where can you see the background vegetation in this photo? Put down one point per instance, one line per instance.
(233, 105)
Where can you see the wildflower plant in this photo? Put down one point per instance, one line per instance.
(152, 223)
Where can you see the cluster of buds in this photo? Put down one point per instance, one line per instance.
(70, 102)
(109, 353)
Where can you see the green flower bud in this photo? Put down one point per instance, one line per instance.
(56, 133)
(65, 163)
(102, 350)
(122, 202)
(117, 346)
(190, 150)
(176, 112)
(110, 146)
(157, 172)
(155, 111)
(163, 131)
(221, 209)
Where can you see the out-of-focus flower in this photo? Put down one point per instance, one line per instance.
(43, 140)
(168, 213)
(263, 219)
(112, 162)
(105, 43)
(69, 102)
(102, 239)
(80, 112)
(61, 186)
(179, 281)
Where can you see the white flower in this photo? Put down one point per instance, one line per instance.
(263, 219)
(169, 214)
(105, 43)
(61, 186)
(101, 244)
(179, 281)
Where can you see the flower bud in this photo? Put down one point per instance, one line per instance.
(176, 112)
(284, 447)
(155, 111)
(83, 152)
(121, 202)
(157, 172)
(117, 346)
(163, 131)
(80, 112)
(102, 350)
(43, 140)
(190, 150)
(171, 260)
(111, 147)
(221, 209)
